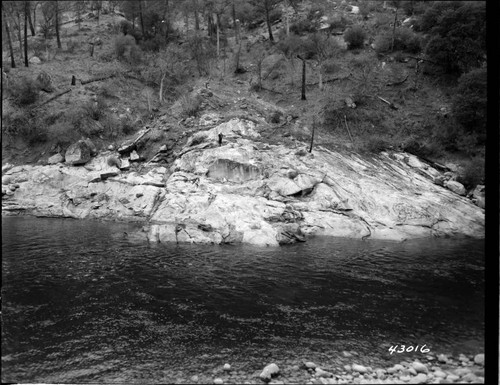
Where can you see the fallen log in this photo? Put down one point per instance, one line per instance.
(97, 79)
(53, 97)
(270, 90)
(329, 80)
(129, 146)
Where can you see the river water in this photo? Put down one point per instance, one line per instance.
(83, 303)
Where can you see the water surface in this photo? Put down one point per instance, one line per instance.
(83, 303)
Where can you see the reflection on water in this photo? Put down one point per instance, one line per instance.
(82, 303)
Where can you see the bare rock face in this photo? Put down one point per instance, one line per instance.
(239, 190)
(249, 192)
(78, 153)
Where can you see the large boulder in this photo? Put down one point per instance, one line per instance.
(456, 187)
(54, 159)
(78, 153)
(271, 370)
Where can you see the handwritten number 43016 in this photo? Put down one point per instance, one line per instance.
(409, 349)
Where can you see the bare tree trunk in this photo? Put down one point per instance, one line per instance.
(196, 18)
(161, 87)
(320, 77)
(312, 134)
(237, 69)
(34, 14)
(268, 20)
(259, 73)
(32, 28)
(166, 17)
(142, 19)
(218, 36)
(9, 40)
(19, 36)
(235, 24)
(59, 45)
(394, 29)
(287, 21)
(303, 96)
(99, 5)
(26, 11)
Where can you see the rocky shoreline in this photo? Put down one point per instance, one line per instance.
(245, 190)
(440, 369)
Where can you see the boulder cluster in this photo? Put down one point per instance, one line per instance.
(431, 369)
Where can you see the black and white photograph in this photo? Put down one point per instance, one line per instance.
(246, 192)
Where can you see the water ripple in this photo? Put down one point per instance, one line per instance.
(80, 303)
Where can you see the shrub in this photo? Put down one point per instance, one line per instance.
(249, 14)
(75, 118)
(121, 44)
(304, 26)
(407, 40)
(44, 81)
(274, 117)
(25, 127)
(71, 45)
(383, 19)
(47, 30)
(316, 12)
(127, 49)
(338, 22)
(111, 126)
(154, 44)
(355, 37)
(13, 123)
(39, 48)
(373, 144)
(422, 147)
(62, 134)
(107, 57)
(106, 92)
(469, 103)
(473, 173)
(404, 40)
(125, 27)
(290, 45)
(95, 109)
(190, 105)
(127, 127)
(24, 91)
(331, 66)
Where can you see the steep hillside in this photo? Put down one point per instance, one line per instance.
(369, 101)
